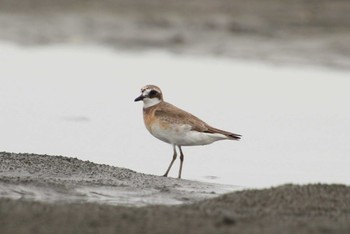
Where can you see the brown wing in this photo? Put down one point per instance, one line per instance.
(171, 113)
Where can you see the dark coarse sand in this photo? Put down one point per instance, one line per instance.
(286, 209)
(39, 195)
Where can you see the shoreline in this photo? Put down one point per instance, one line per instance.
(48, 207)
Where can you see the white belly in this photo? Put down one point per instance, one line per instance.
(184, 136)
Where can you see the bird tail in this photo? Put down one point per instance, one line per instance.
(229, 135)
(235, 136)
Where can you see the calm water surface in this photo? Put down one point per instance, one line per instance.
(78, 101)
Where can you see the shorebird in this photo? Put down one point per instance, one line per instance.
(176, 126)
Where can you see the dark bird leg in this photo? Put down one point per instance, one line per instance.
(181, 161)
(171, 163)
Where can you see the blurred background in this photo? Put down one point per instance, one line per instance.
(275, 71)
(298, 31)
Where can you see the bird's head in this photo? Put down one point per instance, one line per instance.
(150, 95)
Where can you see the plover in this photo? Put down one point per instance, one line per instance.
(175, 126)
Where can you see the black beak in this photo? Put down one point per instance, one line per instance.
(140, 98)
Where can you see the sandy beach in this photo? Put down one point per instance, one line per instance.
(55, 179)
(55, 194)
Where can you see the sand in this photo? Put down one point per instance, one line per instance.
(55, 194)
(62, 179)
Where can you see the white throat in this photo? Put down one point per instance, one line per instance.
(148, 102)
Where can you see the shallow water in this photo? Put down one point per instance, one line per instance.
(78, 101)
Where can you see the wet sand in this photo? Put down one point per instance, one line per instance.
(297, 32)
(59, 179)
(54, 194)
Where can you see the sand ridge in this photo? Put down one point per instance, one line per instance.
(63, 179)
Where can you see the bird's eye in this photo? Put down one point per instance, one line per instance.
(153, 93)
